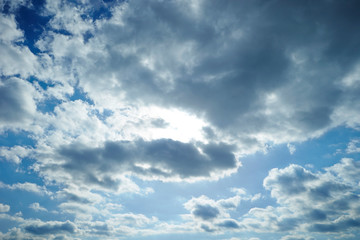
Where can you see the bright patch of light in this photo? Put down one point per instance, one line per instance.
(181, 126)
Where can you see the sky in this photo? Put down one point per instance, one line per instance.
(179, 119)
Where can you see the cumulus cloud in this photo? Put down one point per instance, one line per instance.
(51, 227)
(26, 186)
(16, 59)
(4, 208)
(353, 146)
(15, 154)
(187, 75)
(291, 148)
(104, 167)
(322, 202)
(214, 216)
(36, 207)
(16, 100)
(8, 29)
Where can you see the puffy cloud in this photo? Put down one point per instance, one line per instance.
(291, 148)
(26, 186)
(230, 223)
(16, 59)
(15, 154)
(78, 194)
(205, 212)
(51, 227)
(348, 170)
(17, 104)
(36, 207)
(214, 216)
(4, 208)
(323, 202)
(353, 146)
(8, 29)
(104, 167)
(261, 103)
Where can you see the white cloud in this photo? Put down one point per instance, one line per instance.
(323, 202)
(15, 154)
(215, 216)
(18, 105)
(353, 146)
(26, 186)
(36, 207)
(8, 29)
(4, 208)
(291, 148)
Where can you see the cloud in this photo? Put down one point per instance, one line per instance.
(224, 88)
(4, 208)
(322, 202)
(104, 167)
(36, 207)
(16, 58)
(205, 212)
(231, 224)
(51, 227)
(26, 186)
(353, 146)
(214, 216)
(15, 154)
(79, 195)
(17, 104)
(348, 170)
(291, 148)
(8, 29)
(296, 237)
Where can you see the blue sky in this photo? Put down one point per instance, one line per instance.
(226, 120)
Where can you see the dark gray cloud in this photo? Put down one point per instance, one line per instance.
(289, 181)
(287, 224)
(223, 61)
(342, 224)
(205, 212)
(207, 228)
(164, 159)
(16, 101)
(232, 224)
(159, 123)
(50, 228)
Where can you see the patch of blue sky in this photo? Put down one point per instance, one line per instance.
(50, 103)
(49, 106)
(104, 114)
(33, 24)
(101, 13)
(326, 150)
(79, 94)
(11, 173)
(87, 36)
(43, 84)
(10, 138)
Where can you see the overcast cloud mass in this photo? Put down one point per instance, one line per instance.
(180, 119)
